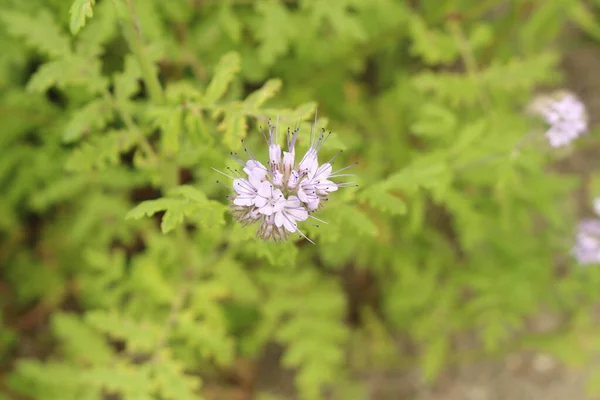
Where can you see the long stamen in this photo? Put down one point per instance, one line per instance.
(277, 129)
(235, 172)
(313, 129)
(264, 135)
(345, 168)
(295, 225)
(247, 151)
(247, 187)
(222, 184)
(334, 157)
(320, 220)
(223, 173)
(323, 140)
(235, 157)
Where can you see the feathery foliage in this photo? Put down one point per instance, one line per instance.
(117, 245)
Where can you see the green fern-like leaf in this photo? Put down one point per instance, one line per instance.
(72, 70)
(171, 381)
(383, 201)
(127, 82)
(40, 32)
(226, 70)
(80, 11)
(311, 328)
(93, 117)
(275, 30)
(81, 342)
(138, 336)
(433, 46)
(170, 121)
(235, 127)
(259, 97)
(101, 151)
(190, 201)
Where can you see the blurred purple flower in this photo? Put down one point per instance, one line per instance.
(587, 242)
(565, 114)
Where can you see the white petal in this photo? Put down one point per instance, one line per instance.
(242, 186)
(326, 186)
(277, 178)
(256, 179)
(290, 225)
(313, 204)
(279, 219)
(292, 201)
(265, 190)
(298, 214)
(323, 172)
(302, 194)
(275, 154)
(288, 160)
(243, 201)
(260, 201)
(309, 163)
(266, 210)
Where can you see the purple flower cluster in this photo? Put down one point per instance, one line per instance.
(283, 193)
(565, 114)
(587, 243)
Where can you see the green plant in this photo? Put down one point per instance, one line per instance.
(114, 229)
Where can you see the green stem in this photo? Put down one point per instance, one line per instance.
(469, 60)
(133, 35)
(128, 120)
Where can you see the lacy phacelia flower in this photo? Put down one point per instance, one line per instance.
(587, 244)
(283, 193)
(565, 114)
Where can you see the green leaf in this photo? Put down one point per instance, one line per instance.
(259, 97)
(434, 357)
(80, 11)
(127, 82)
(593, 382)
(469, 134)
(208, 212)
(584, 17)
(226, 70)
(92, 117)
(40, 32)
(355, 220)
(101, 151)
(138, 335)
(150, 207)
(434, 120)
(169, 120)
(82, 343)
(172, 382)
(131, 382)
(235, 128)
(188, 192)
(383, 201)
(433, 46)
(229, 22)
(419, 174)
(274, 30)
(72, 70)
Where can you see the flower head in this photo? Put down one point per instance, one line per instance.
(283, 193)
(587, 242)
(565, 114)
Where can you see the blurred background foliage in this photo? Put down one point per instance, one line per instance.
(123, 276)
